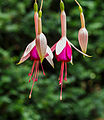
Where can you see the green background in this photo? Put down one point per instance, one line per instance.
(83, 93)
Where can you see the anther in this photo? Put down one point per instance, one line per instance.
(30, 96)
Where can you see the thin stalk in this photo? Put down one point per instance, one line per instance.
(77, 3)
(41, 5)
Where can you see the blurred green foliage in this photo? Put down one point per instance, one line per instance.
(83, 93)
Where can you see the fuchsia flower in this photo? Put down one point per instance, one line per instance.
(63, 51)
(37, 50)
(83, 33)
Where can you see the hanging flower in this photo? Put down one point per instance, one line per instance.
(37, 50)
(63, 51)
(41, 41)
(83, 33)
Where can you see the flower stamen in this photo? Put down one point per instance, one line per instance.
(65, 78)
(35, 76)
(43, 69)
(61, 78)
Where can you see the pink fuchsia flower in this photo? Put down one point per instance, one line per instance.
(63, 51)
(83, 33)
(31, 51)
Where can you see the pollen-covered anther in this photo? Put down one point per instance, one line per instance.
(29, 74)
(60, 97)
(30, 96)
(65, 78)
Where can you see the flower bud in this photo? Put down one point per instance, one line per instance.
(83, 39)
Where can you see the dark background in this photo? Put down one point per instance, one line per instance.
(83, 93)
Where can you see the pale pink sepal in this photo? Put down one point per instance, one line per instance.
(36, 22)
(78, 49)
(24, 58)
(53, 47)
(60, 45)
(83, 39)
(41, 45)
(29, 48)
(49, 52)
(63, 23)
(49, 59)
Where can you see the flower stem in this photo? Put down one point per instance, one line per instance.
(81, 14)
(80, 8)
(41, 5)
(77, 3)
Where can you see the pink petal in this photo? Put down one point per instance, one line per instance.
(29, 48)
(54, 46)
(83, 39)
(63, 23)
(49, 52)
(69, 51)
(60, 45)
(62, 56)
(36, 22)
(41, 45)
(34, 54)
(66, 54)
(49, 59)
(78, 49)
(24, 58)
